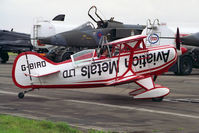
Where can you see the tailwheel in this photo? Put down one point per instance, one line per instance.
(22, 94)
(157, 99)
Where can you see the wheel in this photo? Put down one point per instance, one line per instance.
(66, 56)
(158, 99)
(4, 57)
(185, 65)
(3, 61)
(21, 95)
(195, 54)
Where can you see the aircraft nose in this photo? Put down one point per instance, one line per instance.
(57, 40)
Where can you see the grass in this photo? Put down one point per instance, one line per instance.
(13, 124)
(11, 53)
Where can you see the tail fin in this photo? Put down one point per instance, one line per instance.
(59, 17)
(28, 67)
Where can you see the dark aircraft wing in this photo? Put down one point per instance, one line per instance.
(16, 39)
(192, 39)
(17, 43)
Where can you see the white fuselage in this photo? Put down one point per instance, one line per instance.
(92, 72)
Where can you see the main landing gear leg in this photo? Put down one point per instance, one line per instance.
(22, 94)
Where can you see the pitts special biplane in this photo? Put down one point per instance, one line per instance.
(122, 61)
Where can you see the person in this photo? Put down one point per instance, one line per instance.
(104, 52)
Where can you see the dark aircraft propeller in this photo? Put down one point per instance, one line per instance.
(177, 39)
(178, 43)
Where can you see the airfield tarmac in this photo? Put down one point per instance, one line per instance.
(108, 108)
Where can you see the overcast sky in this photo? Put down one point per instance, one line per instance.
(20, 14)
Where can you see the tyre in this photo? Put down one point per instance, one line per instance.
(186, 65)
(4, 57)
(66, 56)
(21, 95)
(158, 99)
(195, 54)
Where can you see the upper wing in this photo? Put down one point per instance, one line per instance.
(127, 40)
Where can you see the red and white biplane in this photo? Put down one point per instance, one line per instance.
(126, 60)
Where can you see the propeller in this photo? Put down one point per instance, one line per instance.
(181, 50)
(177, 39)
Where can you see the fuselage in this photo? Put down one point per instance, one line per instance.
(94, 71)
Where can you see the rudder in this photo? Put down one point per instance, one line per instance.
(28, 67)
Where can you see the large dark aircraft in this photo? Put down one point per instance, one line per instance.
(11, 41)
(88, 36)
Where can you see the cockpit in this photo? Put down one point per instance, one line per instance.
(83, 57)
(86, 26)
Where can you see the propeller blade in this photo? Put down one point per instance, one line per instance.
(178, 39)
